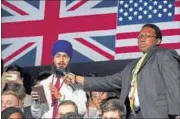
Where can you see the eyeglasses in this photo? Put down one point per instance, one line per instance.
(97, 95)
(145, 36)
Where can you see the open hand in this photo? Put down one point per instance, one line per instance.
(54, 91)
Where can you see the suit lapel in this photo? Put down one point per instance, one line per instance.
(147, 57)
(131, 73)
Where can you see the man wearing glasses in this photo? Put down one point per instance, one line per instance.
(151, 82)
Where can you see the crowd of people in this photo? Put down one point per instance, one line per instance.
(147, 87)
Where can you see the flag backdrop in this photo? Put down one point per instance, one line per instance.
(99, 30)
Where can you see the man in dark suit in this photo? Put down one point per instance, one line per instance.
(152, 82)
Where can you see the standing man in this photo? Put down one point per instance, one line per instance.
(152, 82)
(56, 90)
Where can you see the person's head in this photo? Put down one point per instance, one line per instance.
(98, 97)
(10, 99)
(149, 36)
(17, 88)
(41, 76)
(115, 109)
(12, 113)
(17, 70)
(65, 107)
(71, 115)
(62, 52)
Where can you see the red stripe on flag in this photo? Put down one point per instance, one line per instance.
(126, 49)
(100, 51)
(49, 30)
(131, 49)
(171, 32)
(171, 45)
(77, 5)
(177, 3)
(177, 18)
(168, 32)
(18, 52)
(36, 28)
(121, 36)
(21, 12)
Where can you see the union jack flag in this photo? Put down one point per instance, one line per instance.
(29, 28)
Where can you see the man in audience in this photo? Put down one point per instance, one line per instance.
(94, 101)
(65, 107)
(19, 90)
(151, 82)
(114, 109)
(14, 92)
(14, 74)
(12, 113)
(71, 115)
(11, 99)
(55, 88)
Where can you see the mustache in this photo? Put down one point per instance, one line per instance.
(61, 63)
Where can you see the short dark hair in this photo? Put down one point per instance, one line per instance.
(156, 29)
(43, 75)
(15, 68)
(17, 88)
(115, 105)
(69, 102)
(71, 115)
(5, 114)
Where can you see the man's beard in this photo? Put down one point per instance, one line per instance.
(59, 71)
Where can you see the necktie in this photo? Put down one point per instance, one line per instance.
(54, 101)
(134, 81)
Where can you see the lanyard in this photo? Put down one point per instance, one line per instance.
(59, 86)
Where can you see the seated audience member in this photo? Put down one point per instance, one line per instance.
(71, 115)
(114, 109)
(67, 106)
(94, 102)
(10, 99)
(64, 107)
(17, 73)
(12, 113)
(19, 90)
(42, 76)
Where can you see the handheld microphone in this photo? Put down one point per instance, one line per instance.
(60, 71)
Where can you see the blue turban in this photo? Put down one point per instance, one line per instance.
(62, 46)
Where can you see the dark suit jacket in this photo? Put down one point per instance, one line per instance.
(27, 113)
(158, 83)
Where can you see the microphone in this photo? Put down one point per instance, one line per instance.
(60, 71)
